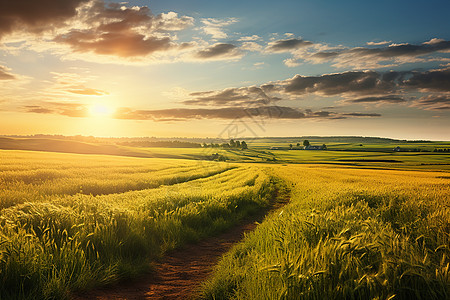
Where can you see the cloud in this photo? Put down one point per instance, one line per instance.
(214, 27)
(114, 43)
(39, 109)
(378, 43)
(86, 91)
(183, 114)
(391, 55)
(251, 46)
(433, 102)
(378, 99)
(72, 83)
(369, 83)
(219, 51)
(249, 38)
(5, 74)
(353, 87)
(171, 22)
(291, 62)
(111, 29)
(354, 82)
(60, 108)
(433, 80)
(361, 115)
(36, 16)
(232, 96)
(231, 113)
(287, 45)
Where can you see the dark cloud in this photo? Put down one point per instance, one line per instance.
(218, 51)
(59, 108)
(355, 82)
(230, 113)
(372, 57)
(35, 16)
(119, 31)
(354, 86)
(369, 83)
(379, 99)
(361, 115)
(114, 43)
(184, 114)
(325, 55)
(39, 109)
(396, 50)
(5, 74)
(287, 45)
(213, 113)
(433, 102)
(233, 96)
(433, 80)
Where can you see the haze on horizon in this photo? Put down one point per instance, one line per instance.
(229, 69)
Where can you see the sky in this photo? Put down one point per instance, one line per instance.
(225, 69)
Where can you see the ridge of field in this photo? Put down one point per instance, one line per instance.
(346, 234)
(54, 244)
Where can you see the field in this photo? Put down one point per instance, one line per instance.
(71, 222)
(346, 234)
(359, 224)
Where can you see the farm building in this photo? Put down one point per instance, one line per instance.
(313, 147)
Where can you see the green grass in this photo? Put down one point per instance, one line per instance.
(59, 240)
(392, 160)
(346, 234)
(359, 225)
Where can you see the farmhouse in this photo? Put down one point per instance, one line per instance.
(313, 147)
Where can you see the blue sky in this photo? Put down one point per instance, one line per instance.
(189, 68)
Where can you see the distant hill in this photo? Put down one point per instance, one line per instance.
(166, 148)
(67, 146)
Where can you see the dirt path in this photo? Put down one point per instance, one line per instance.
(181, 272)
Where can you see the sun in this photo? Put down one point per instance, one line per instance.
(100, 110)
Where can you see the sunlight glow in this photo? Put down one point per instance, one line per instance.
(100, 110)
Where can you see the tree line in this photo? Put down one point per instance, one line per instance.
(232, 144)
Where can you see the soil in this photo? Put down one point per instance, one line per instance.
(180, 273)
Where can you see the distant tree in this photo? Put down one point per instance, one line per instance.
(290, 146)
(298, 144)
(232, 143)
(324, 147)
(244, 145)
(238, 144)
(306, 143)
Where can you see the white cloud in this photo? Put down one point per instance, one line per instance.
(249, 38)
(251, 46)
(378, 43)
(214, 27)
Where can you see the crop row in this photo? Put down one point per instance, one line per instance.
(33, 177)
(64, 243)
(346, 234)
